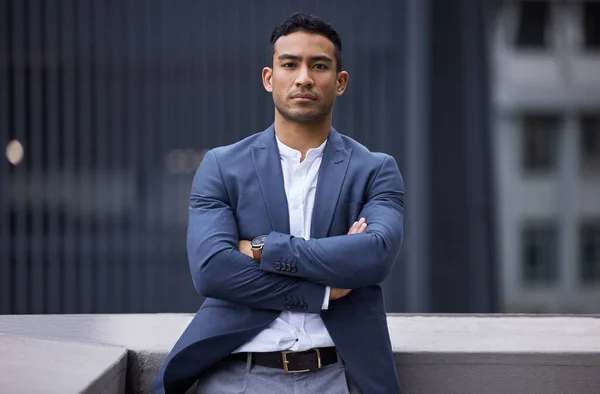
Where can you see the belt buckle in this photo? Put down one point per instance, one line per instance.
(286, 362)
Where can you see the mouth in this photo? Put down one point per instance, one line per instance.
(303, 97)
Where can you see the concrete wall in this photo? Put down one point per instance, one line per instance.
(32, 365)
(434, 354)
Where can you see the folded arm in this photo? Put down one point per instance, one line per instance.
(218, 269)
(354, 260)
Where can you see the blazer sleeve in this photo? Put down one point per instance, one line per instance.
(354, 260)
(218, 269)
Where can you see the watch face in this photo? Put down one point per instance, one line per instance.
(258, 242)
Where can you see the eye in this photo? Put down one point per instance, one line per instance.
(321, 66)
(288, 65)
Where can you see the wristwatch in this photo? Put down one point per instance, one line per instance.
(257, 246)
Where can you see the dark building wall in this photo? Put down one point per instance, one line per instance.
(461, 210)
(116, 102)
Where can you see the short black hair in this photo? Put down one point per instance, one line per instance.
(300, 21)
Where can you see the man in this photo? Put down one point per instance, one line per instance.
(291, 231)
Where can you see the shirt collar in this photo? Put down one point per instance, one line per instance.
(288, 152)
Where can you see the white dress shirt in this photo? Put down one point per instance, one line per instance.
(296, 330)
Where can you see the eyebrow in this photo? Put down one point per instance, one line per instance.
(320, 58)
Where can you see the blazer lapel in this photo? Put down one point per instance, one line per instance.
(329, 185)
(267, 163)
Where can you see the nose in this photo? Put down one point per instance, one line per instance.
(303, 78)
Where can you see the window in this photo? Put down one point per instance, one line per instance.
(533, 25)
(540, 142)
(590, 142)
(540, 253)
(591, 25)
(589, 252)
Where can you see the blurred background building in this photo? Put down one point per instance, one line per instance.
(546, 100)
(491, 109)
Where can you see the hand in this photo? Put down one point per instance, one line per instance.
(245, 247)
(336, 294)
(357, 228)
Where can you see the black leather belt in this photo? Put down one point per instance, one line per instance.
(292, 361)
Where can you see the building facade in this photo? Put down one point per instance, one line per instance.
(546, 139)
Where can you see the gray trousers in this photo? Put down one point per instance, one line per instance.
(237, 376)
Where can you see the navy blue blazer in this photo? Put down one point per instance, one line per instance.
(238, 193)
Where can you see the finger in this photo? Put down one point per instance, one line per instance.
(356, 226)
(353, 228)
(362, 228)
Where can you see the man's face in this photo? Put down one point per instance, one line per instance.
(303, 80)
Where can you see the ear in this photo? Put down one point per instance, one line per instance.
(342, 82)
(267, 78)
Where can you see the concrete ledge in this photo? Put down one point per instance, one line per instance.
(30, 365)
(148, 338)
(434, 354)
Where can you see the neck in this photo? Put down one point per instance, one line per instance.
(302, 136)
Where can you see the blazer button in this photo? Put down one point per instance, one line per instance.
(293, 268)
(278, 266)
(288, 267)
(287, 304)
(303, 306)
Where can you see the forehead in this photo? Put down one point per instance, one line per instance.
(304, 43)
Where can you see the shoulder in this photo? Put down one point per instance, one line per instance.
(367, 157)
(232, 156)
(236, 149)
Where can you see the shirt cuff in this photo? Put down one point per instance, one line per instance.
(325, 305)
